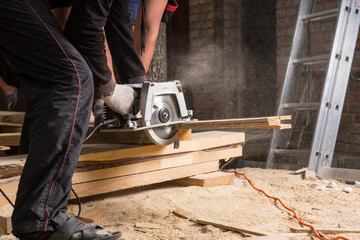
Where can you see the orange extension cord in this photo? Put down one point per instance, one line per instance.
(289, 209)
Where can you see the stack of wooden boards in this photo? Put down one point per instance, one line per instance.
(114, 160)
(108, 168)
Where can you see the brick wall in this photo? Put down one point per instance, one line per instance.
(223, 77)
(348, 141)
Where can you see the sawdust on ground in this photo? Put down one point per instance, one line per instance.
(238, 205)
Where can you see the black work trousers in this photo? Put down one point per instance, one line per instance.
(84, 29)
(58, 87)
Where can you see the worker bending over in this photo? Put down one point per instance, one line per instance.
(59, 77)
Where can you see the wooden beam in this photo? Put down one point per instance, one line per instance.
(208, 180)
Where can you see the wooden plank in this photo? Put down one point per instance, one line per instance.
(94, 215)
(10, 139)
(111, 137)
(241, 229)
(344, 174)
(142, 179)
(324, 230)
(208, 180)
(16, 159)
(200, 141)
(139, 137)
(262, 122)
(231, 227)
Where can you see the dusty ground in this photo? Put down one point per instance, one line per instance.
(238, 205)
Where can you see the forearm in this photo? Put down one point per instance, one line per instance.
(153, 14)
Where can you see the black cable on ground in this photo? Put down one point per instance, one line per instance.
(79, 202)
(2, 192)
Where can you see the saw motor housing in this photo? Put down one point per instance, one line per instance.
(159, 106)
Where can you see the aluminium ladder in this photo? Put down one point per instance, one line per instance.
(334, 88)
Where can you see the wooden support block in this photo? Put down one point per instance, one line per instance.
(5, 224)
(208, 180)
(241, 229)
(94, 215)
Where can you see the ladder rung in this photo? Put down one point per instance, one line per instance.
(291, 153)
(302, 106)
(321, 15)
(312, 60)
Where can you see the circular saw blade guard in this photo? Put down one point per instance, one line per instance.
(161, 103)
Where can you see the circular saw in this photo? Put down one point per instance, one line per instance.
(160, 106)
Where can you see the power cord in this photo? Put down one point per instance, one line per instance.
(98, 126)
(287, 208)
(78, 199)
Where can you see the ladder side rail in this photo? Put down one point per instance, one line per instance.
(329, 82)
(339, 90)
(288, 85)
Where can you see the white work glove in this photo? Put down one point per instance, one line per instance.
(122, 99)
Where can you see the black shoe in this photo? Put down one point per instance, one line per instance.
(73, 229)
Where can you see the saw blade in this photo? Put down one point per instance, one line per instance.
(164, 110)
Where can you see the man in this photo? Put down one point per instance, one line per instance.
(59, 87)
